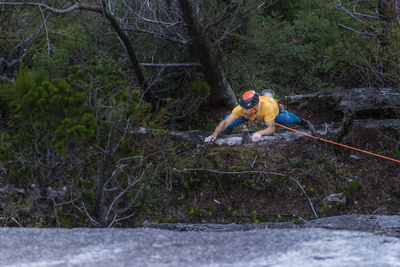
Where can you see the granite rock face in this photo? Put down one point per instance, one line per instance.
(210, 245)
(327, 106)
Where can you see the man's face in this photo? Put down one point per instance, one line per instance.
(248, 111)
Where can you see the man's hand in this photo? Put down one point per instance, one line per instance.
(210, 138)
(255, 137)
(221, 126)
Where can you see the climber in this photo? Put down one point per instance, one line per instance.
(261, 108)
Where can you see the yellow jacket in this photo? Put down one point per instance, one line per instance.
(268, 110)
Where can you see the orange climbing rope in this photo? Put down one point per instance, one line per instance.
(318, 138)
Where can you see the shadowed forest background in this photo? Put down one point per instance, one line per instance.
(78, 79)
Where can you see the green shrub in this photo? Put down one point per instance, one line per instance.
(352, 188)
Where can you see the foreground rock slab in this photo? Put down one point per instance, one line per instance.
(262, 245)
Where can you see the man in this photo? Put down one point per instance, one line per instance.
(261, 108)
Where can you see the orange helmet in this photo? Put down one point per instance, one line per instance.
(249, 99)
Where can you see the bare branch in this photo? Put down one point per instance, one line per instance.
(156, 35)
(66, 202)
(225, 14)
(165, 29)
(157, 22)
(55, 211)
(126, 190)
(44, 24)
(364, 15)
(309, 200)
(122, 138)
(226, 172)
(171, 65)
(90, 217)
(44, 6)
(129, 158)
(120, 219)
(396, 6)
(254, 161)
(354, 15)
(358, 32)
(12, 218)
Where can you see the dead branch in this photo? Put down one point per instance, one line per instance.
(355, 15)
(156, 35)
(224, 14)
(358, 32)
(346, 125)
(165, 29)
(47, 32)
(126, 190)
(45, 7)
(12, 218)
(226, 172)
(88, 214)
(309, 200)
(171, 65)
(115, 220)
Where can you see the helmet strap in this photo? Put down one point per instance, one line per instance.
(258, 109)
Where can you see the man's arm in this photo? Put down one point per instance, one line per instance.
(269, 130)
(220, 127)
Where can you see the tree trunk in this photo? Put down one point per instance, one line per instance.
(221, 91)
(145, 92)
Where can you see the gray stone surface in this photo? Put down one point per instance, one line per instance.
(377, 103)
(212, 245)
(283, 136)
(389, 225)
(339, 197)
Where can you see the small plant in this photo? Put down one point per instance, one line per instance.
(321, 159)
(181, 197)
(189, 180)
(195, 212)
(38, 224)
(228, 212)
(310, 191)
(296, 162)
(352, 188)
(259, 217)
(252, 183)
(329, 167)
(255, 218)
(65, 223)
(391, 199)
(296, 219)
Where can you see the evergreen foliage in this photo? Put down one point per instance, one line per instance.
(70, 131)
(296, 47)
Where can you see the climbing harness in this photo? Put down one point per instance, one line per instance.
(335, 143)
